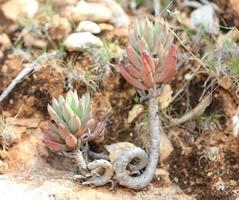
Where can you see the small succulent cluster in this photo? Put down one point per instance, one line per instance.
(151, 54)
(73, 123)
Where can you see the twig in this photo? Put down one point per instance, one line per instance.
(193, 55)
(196, 111)
(35, 65)
(186, 84)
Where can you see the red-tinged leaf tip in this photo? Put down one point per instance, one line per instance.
(133, 57)
(133, 81)
(132, 71)
(146, 72)
(169, 69)
(147, 58)
(71, 141)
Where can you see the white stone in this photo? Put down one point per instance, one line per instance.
(120, 18)
(88, 26)
(15, 9)
(88, 11)
(82, 41)
(235, 123)
(205, 17)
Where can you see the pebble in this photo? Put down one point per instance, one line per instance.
(59, 28)
(88, 11)
(88, 26)
(82, 41)
(119, 17)
(206, 18)
(15, 9)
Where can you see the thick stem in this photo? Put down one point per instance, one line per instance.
(146, 177)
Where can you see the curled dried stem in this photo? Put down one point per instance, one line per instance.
(138, 182)
(104, 177)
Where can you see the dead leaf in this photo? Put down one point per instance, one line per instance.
(165, 97)
(135, 112)
(24, 122)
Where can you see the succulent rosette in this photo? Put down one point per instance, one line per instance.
(73, 123)
(151, 54)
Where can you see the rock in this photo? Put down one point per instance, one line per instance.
(15, 9)
(135, 112)
(59, 28)
(120, 18)
(82, 41)
(88, 11)
(64, 3)
(166, 146)
(163, 174)
(5, 42)
(206, 18)
(88, 26)
(235, 123)
(33, 39)
(106, 27)
(116, 149)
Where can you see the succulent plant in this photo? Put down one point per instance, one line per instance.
(73, 122)
(151, 54)
(151, 62)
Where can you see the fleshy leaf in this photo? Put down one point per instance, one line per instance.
(71, 141)
(54, 115)
(54, 145)
(146, 72)
(74, 124)
(169, 69)
(136, 83)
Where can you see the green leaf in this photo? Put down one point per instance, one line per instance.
(54, 115)
(74, 124)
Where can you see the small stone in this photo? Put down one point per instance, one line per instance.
(59, 28)
(116, 149)
(88, 11)
(163, 174)
(120, 18)
(5, 42)
(106, 27)
(135, 112)
(206, 18)
(235, 123)
(88, 26)
(166, 146)
(15, 9)
(82, 41)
